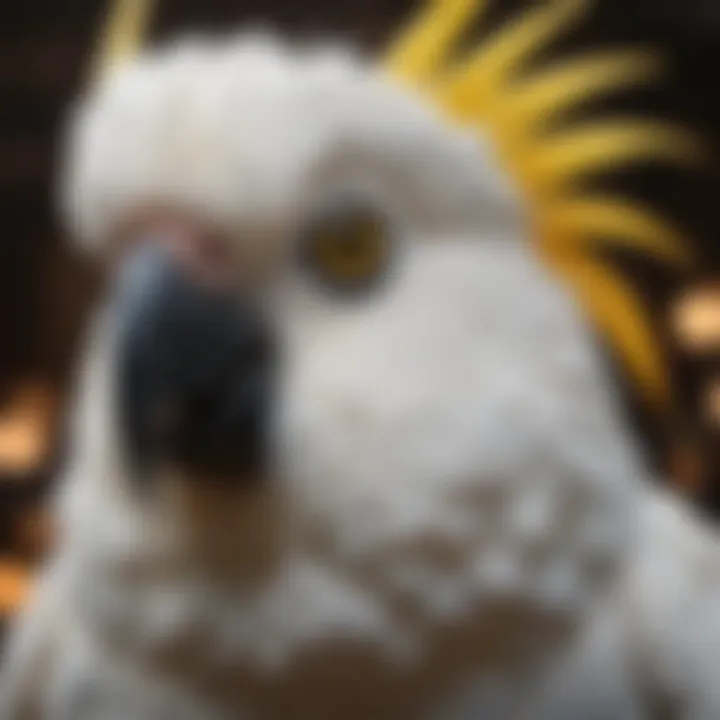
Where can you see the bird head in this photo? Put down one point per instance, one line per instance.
(330, 294)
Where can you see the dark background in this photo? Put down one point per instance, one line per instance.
(45, 289)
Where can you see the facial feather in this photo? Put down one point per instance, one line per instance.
(445, 446)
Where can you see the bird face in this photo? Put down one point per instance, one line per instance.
(322, 288)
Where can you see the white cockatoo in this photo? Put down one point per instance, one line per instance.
(344, 445)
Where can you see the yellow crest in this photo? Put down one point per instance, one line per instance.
(495, 88)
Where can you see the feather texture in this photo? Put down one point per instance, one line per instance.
(497, 89)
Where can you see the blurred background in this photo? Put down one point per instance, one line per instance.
(46, 288)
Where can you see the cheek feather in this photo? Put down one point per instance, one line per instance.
(436, 420)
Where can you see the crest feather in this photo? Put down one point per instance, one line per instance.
(563, 158)
(549, 94)
(123, 35)
(471, 85)
(616, 222)
(620, 313)
(496, 89)
(424, 48)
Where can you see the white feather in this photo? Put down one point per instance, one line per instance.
(456, 502)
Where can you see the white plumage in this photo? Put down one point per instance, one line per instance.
(457, 525)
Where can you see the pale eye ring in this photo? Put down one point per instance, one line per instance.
(347, 247)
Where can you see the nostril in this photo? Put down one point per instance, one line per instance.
(204, 253)
(209, 258)
(213, 251)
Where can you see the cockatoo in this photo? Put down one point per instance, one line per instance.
(344, 444)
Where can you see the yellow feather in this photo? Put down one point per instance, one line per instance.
(496, 86)
(528, 105)
(419, 52)
(614, 221)
(467, 90)
(123, 35)
(621, 315)
(556, 161)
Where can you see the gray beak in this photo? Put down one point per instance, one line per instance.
(195, 371)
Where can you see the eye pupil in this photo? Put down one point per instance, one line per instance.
(352, 245)
(347, 249)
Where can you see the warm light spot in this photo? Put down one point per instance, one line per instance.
(15, 586)
(26, 424)
(695, 319)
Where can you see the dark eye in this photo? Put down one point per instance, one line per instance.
(347, 248)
